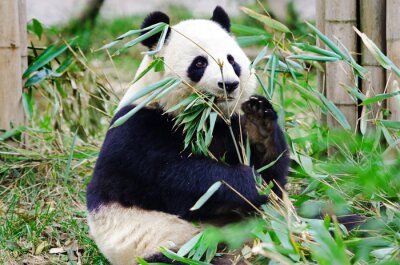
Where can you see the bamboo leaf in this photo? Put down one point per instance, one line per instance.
(166, 87)
(49, 54)
(144, 92)
(272, 23)
(327, 41)
(336, 113)
(379, 97)
(390, 124)
(188, 246)
(310, 57)
(315, 49)
(203, 199)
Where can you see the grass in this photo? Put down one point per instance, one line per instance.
(43, 180)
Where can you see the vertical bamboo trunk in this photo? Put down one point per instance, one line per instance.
(320, 23)
(373, 25)
(340, 17)
(11, 110)
(23, 34)
(393, 51)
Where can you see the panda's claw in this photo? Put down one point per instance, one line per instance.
(258, 107)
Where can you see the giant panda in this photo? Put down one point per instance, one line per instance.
(145, 182)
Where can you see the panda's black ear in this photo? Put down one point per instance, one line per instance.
(222, 18)
(151, 19)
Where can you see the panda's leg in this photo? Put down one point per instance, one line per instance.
(267, 140)
(123, 233)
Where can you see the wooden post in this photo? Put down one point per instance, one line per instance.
(320, 23)
(393, 51)
(372, 20)
(340, 17)
(23, 36)
(11, 110)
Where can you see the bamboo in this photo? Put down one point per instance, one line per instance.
(372, 21)
(393, 51)
(320, 23)
(11, 110)
(340, 17)
(23, 34)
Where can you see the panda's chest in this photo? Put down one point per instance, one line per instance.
(222, 146)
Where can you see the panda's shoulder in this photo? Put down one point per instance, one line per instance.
(145, 116)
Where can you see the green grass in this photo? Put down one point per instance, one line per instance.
(43, 179)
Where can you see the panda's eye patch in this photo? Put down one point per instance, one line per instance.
(200, 62)
(231, 60)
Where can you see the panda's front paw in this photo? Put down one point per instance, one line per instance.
(258, 107)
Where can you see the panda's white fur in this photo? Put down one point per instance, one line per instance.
(122, 234)
(187, 40)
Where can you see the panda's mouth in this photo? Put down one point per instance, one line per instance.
(224, 99)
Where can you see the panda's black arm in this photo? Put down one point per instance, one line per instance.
(184, 181)
(279, 158)
(141, 163)
(268, 144)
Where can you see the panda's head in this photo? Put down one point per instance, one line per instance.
(195, 50)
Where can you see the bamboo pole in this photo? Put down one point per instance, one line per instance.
(372, 21)
(340, 17)
(393, 51)
(11, 110)
(23, 34)
(320, 23)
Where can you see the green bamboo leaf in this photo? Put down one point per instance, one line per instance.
(12, 132)
(377, 53)
(142, 37)
(390, 124)
(271, 87)
(308, 94)
(272, 23)
(336, 113)
(188, 246)
(37, 28)
(379, 97)
(49, 54)
(166, 87)
(259, 57)
(27, 104)
(252, 40)
(315, 49)
(38, 77)
(354, 92)
(160, 42)
(203, 199)
(270, 164)
(310, 57)
(144, 92)
(171, 255)
(213, 119)
(247, 30)
(327, 41)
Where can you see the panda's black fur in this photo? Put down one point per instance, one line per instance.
(143, 166)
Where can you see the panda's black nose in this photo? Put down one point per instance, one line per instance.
(229, 86)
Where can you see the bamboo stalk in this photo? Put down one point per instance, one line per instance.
(23, 34)
(11, 110)
(393, 51)
(340, 17)
(373, 25)
(320, 23)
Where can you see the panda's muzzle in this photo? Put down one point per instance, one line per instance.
(229, 86)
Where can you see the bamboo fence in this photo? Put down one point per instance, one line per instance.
(13, 43)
